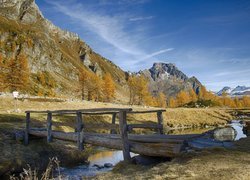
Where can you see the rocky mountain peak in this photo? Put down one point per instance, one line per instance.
(237, 91)
(161, 71)
(27, 12)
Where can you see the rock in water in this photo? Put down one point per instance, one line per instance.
(225, 134)
(108, 165)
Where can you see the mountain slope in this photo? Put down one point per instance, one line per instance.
(58, 54)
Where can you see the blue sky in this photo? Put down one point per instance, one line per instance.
(206, 39)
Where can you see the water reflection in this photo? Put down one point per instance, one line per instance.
(95, 165)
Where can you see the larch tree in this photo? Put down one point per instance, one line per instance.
(18, 73)
(141, 89)
(84, 76)
(94, 87)
(132, 89)
(108, 87)
(193, 96)
(172, 102)
(2, 74)
(182, 98)
(162, 100)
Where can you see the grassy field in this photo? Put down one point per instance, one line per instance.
(173, 118)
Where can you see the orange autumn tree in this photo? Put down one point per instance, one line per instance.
(108, 87)
(83, 80)
(17, 73)
(172, 102)
(139, 93)
(161, 100)
(193, 96)
(132, 89)
(182, 98)
(94, 87)
(141, 89)
(2, 73)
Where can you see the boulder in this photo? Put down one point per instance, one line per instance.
(108, 165)
(224, 134)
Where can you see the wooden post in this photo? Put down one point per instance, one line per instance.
(160, 120)
(124, 135)
(79, 128)
(113, 131)
(49, 127)
(26, 136)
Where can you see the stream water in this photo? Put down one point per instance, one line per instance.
(102, 160)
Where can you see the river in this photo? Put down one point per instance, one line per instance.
(105, 159)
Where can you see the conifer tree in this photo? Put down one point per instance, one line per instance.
(18, 73)
(83, 80)
(108, 87)
(162, 100)
(193, 96)
(132, 89)
(172, 102)
(182, 98)
(2, 74)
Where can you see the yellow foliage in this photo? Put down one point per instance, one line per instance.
(193, 96)
(139, 93)
(161, 100)
(108, 87)
(17, 73)
(172, 102)
(182, 98)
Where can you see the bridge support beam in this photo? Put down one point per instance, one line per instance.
(113, 131)
(79, 131)
(49, 127)
(160, 122)
(27, 130)
(124, 135)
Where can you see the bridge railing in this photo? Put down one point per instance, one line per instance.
(124, 128)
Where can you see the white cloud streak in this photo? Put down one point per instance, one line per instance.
(112, 29)
(109, 28)
(141, 18)
(157, 53)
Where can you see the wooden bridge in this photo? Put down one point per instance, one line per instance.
(150, 145)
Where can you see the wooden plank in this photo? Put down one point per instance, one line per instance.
(164, 149)
(124, 135)
(84, 110)
(147, 126)
(79, 131)
(113, 131)
(146, 111)
(26, 136)
(49, 127)
(131, 137)
(160, 122)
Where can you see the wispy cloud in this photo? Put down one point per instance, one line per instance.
(122, 2)
(157, 53)
(127, 51)
(141, 18)
(226, 73)
(109, 28)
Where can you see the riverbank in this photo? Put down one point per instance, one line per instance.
(217, 163)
